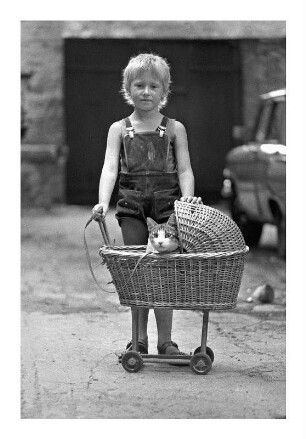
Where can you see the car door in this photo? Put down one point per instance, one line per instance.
(251, 169)
(272, 161)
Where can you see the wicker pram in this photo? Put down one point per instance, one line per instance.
(206, 276)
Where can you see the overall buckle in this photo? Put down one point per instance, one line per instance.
(130, 131)
(161, 130)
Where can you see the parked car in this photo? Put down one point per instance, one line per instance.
(255, 173)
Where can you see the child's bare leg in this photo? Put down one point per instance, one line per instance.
(135, 232)
(143, 314)
(164, 318)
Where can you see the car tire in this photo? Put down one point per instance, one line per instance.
(281, 238)
(250, 229)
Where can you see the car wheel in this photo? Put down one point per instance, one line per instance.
(281, 238)
(251, 230)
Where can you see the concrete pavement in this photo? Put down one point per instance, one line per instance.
(70, 333)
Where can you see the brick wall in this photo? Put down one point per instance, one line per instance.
(42, 54)
(43, 170)
(42, 175)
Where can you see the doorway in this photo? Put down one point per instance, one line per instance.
(205, 97)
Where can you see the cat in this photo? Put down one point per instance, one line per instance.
(163, 238)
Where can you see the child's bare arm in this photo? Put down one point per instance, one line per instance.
(110, 168)
(185, 174)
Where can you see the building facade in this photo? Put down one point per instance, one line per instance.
(225, 64)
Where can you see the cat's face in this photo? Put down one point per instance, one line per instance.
(163, 238)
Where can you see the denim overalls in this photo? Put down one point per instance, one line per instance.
(148, 183)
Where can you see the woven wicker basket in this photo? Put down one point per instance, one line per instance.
(206, 280)
(178, 281)
(205, 229)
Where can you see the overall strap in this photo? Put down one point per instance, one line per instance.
(129, 128)
(163, 126)
(171, 129)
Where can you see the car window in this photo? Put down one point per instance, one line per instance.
(277, 128)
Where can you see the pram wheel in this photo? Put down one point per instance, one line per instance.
(200, 363)
(132, 361)
(209, 352)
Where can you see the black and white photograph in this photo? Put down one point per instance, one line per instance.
(153, 223)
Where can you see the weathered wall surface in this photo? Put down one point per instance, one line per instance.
(262, 49)
(263, 70)
(42, 55)
(176, 29)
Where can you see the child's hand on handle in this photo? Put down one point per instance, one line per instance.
(193, 200)
(99, 211)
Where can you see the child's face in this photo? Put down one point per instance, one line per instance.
(146, 91)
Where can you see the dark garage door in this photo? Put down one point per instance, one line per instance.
(205, 97)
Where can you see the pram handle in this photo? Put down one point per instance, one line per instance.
(100, 219)
(104, 231)
(97, 216)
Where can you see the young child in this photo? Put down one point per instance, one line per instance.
(155, 170)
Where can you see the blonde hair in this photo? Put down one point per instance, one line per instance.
(146, 62)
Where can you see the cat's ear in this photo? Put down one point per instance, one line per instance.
(172, 220)
(151, 223)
